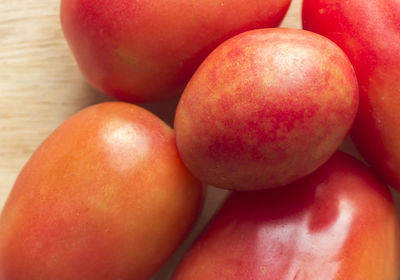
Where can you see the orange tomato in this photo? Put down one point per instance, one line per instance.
(104, 197)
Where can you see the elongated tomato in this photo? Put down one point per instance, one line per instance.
(339, 223)
(266, 108)
(146, 50)
(104, 197)
(369, 33)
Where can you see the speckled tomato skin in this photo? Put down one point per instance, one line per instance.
(338, 223)
(266, 108)
(371, 39)
(147, 50)
(92, 204)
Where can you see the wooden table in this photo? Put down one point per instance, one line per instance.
(40, 87)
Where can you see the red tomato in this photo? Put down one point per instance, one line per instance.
(339, 223)
(104, 197)
(147, 50)
(266, 108)
(369, 32)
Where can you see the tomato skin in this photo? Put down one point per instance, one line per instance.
(371, 39)
(337, 223)
(104, 197)
(141, 51)
(266, 108)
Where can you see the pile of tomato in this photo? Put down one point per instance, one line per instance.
(113, 191)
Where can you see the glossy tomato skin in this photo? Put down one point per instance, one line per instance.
(266, 108)
(104, 197)
(338, 223)
(369, 33)
(147, 50)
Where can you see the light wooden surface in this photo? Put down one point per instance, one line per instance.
(40, 87)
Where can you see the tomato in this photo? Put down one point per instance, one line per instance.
(369, 33)
(266, 108)
(338, 223)
(104, 197)
(147, 50)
